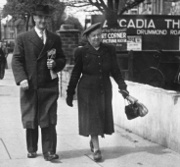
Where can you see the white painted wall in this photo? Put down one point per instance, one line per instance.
(9, 60)
(161, 124)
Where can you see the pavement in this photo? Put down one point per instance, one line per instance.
(122, 149)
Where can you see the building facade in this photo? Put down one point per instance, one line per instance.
(157, 7)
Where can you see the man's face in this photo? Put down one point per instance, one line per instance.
(41, 21)
(95, 38)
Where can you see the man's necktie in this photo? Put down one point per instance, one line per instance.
(42, 37)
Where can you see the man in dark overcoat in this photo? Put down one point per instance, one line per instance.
(37, 59)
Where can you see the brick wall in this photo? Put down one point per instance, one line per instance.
(70, 39)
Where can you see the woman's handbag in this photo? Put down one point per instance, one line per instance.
(134, 108)
(131, 111)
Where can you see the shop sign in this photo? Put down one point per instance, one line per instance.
(134, 43)
(117, 37)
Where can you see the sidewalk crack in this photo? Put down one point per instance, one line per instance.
(5, 148)
(92, 160)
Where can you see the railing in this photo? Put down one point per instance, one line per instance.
(158, 68)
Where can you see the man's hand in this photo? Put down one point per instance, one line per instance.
(24, 85)
(51, 64)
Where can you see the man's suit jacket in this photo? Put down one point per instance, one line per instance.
(30, 62)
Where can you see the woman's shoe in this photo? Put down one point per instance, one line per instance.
(91, 146)
(97, 156)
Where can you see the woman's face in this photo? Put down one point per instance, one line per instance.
(95, 38)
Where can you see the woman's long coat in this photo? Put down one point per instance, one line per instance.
(39, 102)
(92, 72)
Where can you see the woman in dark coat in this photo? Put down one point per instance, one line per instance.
(94, 64)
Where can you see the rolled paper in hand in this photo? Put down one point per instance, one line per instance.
(53, 74)
(51, 55)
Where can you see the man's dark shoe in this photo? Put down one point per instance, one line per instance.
(54, 156)
(47, 158)
(50, 157)
(32, 155)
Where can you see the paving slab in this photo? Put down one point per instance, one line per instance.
(38, 162)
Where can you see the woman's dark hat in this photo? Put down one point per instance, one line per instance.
(92, 28)
(42, 10)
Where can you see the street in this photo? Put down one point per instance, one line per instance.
(122, 149)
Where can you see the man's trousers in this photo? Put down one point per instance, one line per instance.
(48, 138)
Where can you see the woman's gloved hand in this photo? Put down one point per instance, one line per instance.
(69, 101)
(124, 93)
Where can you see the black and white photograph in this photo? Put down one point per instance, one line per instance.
(90, 83)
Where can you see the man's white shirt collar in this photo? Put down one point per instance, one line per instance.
(40, 33)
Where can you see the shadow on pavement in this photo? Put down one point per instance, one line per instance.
(114, 152)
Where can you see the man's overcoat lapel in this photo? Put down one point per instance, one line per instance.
(35, 40)
(48, 45)
(43, 48)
